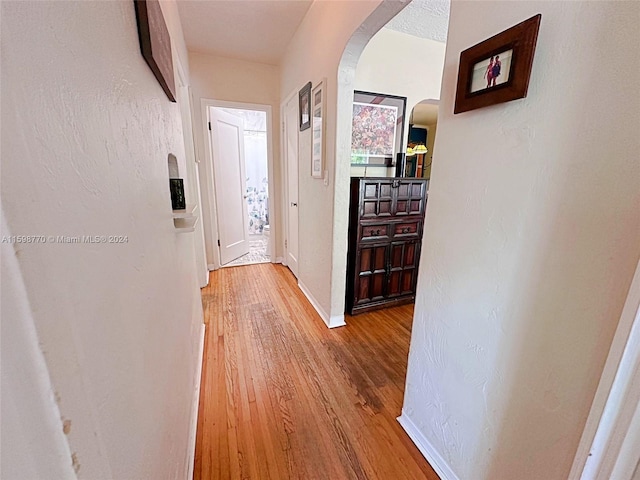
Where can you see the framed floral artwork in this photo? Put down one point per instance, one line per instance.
(377, 128)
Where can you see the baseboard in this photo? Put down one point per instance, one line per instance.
(278, 260)
(337, 321)
(314, 303)
(429, 452)
(211, 267)
(331, 322)
(194, 407)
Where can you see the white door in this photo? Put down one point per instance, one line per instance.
(291, 152)
(227, 141)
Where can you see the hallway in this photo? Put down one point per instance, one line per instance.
(283, 397)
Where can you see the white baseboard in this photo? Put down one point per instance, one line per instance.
(331, 322)
(278, 260)
(211, 267)
(429, 452)
(194, 408)
(337, 321)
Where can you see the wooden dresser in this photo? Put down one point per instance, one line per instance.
(386, 216)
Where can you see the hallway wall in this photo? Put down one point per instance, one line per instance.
(530, 243)
(314, 53)
(232, 80)
(86, 131)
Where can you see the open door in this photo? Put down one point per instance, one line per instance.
(227, 140)
(291, 157)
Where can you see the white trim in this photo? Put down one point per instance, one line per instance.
(194, 407)
(437, 462)
(277, 260)
(337, 321)
(284, 174)
(192, 173)
(331, 322)
(613, 406)
(211, 225)
(212, 267)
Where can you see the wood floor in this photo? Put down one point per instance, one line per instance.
(284, 397)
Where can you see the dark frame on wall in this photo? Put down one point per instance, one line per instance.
(377, 129)
(155, 44)
(498, 69)
(304, 107)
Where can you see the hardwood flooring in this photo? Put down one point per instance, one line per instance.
(284, 397)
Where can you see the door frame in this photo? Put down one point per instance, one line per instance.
(601, 445)
(212, 227)
(285, 180)
(192, 173)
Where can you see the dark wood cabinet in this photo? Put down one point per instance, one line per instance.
(386, 217)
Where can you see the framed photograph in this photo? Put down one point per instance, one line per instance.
(377, 128)
(317, 130)
(304, 99)
(155, 44)
(498, 69)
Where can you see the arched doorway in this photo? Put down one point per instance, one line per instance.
(423, 123)
(347, 70)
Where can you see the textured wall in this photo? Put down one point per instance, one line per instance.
(231, 80)
(531, 239)
(86, 130)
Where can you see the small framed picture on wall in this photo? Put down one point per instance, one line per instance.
(304, 99)
(498, 69)
(317, 129)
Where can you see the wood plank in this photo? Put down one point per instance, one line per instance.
(283, 397)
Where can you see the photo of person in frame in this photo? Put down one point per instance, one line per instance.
(491, 72)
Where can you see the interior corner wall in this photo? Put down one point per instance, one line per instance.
(314, 53)
(233, 80)
(396, 63)
(530, 244)
(86, 132)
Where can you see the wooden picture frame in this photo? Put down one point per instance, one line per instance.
(498, 69)
(377, 128)
(155, 44)
(317, 129)
(304, 107)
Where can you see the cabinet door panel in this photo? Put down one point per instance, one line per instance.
(372, 274)
(410, 198)
(403, 268)
(377, 199)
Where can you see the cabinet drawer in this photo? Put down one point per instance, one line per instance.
(407, 229)
(374, 232)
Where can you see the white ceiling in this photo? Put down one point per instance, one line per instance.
(423, 18)
(253, 30)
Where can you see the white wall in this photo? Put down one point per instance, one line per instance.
(530, 243)
(232, 80)
(315, 53)
(34, 444)
(86, 130)
(395, 63)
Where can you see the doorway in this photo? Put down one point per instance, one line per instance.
(423, 124)
(240, 137)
